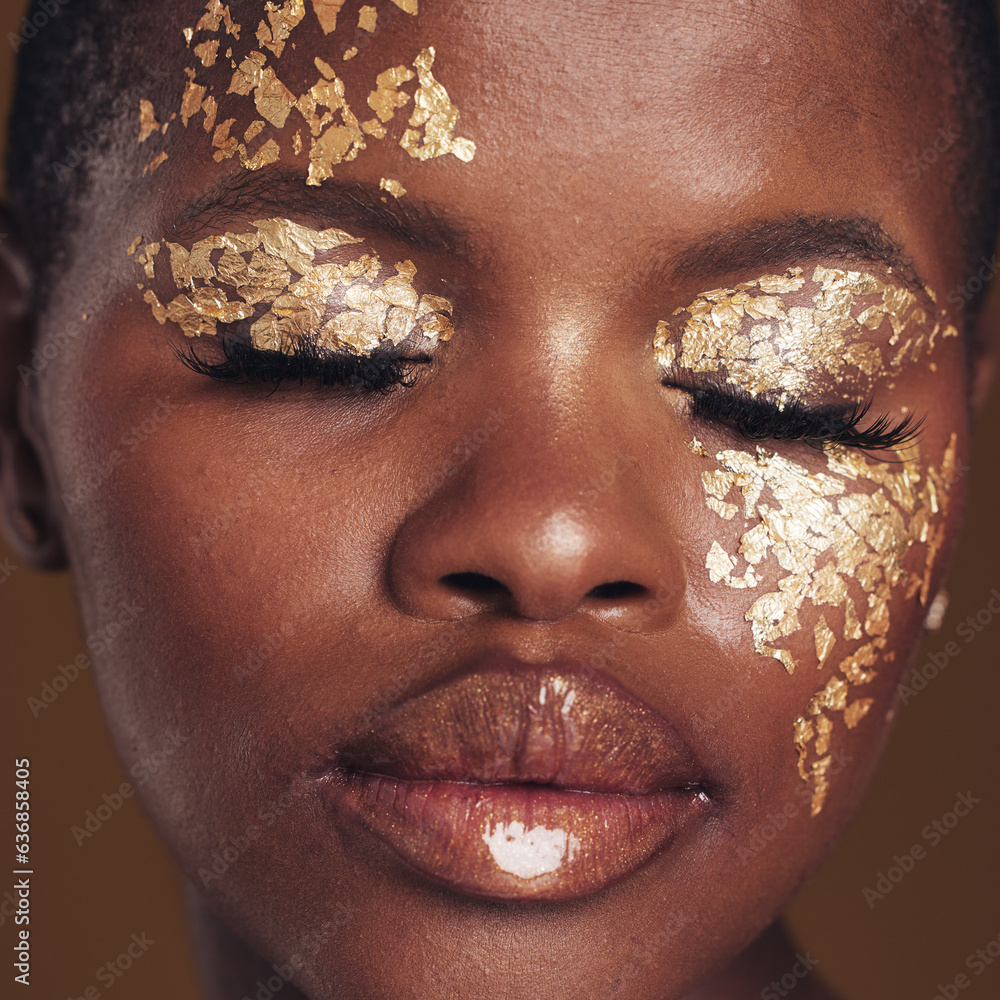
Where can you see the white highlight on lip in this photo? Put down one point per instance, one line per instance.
(527, 854)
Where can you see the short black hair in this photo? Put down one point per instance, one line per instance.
(78, 90)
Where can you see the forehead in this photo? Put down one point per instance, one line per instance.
(623, 121)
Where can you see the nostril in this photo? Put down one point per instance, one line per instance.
(474, 583)
(615, 591)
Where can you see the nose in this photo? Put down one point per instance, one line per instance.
(524, 524)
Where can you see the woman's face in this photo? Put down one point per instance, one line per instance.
(537, 676)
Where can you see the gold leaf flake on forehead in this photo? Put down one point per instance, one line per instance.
(155, 163)
(147, 120)
(407, 6)
(387, 97)
(273, 32)
(437, 115)
(326, 13)
(337, 134)
(194, 94)
(392, 186)
(207, 52)
(338, 306)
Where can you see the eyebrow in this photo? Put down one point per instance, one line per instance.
(423, 225)
(776, 244)
(761, 246)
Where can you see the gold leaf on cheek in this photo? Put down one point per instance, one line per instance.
(825, 640)
(851, 527)
(159, 312)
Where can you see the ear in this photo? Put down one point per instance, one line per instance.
(29, 513)
(984, 348)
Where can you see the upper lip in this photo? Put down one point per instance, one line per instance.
(503, 721)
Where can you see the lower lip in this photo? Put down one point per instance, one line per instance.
(516, 841)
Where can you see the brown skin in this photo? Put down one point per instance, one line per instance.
(607, 137)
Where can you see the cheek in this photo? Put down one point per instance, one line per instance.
(250, 554)
(838, 568)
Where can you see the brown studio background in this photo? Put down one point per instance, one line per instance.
(87, 901)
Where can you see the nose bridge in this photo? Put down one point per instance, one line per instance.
(541, 513)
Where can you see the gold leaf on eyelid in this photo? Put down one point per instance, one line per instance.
(212, 17)
(325, 69)
(254, 130)
(407, 6)
(367, 18)
(387, 97)
(248, 75)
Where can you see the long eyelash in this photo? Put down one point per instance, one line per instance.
(379, 372)
(761, 419)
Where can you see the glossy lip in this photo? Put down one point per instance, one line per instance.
(517, 781)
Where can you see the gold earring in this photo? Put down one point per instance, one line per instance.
(934, 618)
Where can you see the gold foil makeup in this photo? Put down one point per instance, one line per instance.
(844, 541)
(323, 111)
(271, 276)
(764, 346)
